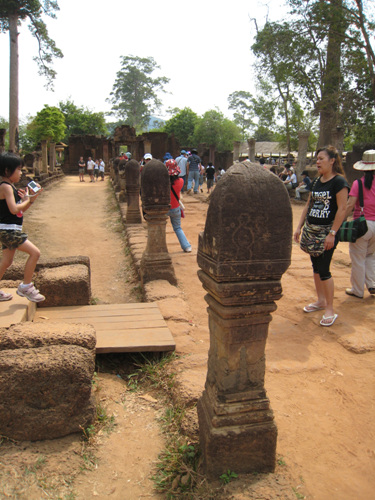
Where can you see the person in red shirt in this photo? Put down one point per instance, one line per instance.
(175, 210)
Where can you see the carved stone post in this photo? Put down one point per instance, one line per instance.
(3, 131)
(251, 145)
(156, 263)
(121, 187)
(303, 138)
(211, 154)
(44, 157)
(133, 213)
(236, 150)
(243, 252)
(52, 156)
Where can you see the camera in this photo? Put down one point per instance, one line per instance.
(34, 186)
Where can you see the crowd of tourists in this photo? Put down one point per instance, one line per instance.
(94, 168)
(321, 226)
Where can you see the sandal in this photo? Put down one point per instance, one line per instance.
(5, 296)
(328, 320)
(312, 308)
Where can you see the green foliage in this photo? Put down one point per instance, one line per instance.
(33, 10)
(134, 96)
(321, 58)
(214, 128)
(228, 476)
(49, 125)
(5, 124)
(80, 120)
(182, 125)
(243, 105)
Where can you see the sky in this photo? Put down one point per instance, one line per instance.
(203, 48)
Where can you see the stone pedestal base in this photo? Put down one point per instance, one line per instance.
(237, 436)
(157, 267)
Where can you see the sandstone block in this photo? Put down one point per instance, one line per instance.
(64, 286)
(46, 373)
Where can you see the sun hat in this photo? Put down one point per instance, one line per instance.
(129, 155)
(147, 156)
(173, 168)
(367, 162)
(183, 152)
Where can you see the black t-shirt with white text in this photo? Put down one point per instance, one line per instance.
(324, 202)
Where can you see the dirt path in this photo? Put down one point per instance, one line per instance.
(321, 382)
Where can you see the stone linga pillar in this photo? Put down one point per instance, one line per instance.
(156, 263)
(243, 252)
(133, 213)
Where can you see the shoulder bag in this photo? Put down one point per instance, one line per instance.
(179, 202)
(354, 229)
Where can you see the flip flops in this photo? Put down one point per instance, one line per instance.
(312, 308)
(328, 320)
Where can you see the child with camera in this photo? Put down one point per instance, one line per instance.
(13, 203)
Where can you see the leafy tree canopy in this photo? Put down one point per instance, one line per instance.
(134, 96)
(80, 120)
(49, 125)
(242, 104)
(182, 125)
(214, 128)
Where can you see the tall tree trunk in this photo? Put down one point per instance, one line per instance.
(332, 75)
(13, 85)
(369, 51)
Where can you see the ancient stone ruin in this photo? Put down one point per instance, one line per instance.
(156, 262)
(243, 252)
(46, 374)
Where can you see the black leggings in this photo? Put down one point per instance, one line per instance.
(321, 264)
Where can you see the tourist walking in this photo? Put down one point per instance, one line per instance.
(90, 168)
(81, 169)
(210, 176)
(362, 252)
(193, 166)
(96, 170)
(175, 210)
(182, 162)
(13, 203)
(325, 207)
(101, 168)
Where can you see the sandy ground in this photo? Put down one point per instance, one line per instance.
(320, 381)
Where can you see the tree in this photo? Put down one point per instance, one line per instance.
(80, 120)
(182, 125)
(275, 68)
(48, 125)
(333, 63)
(12, 13)
(214, 128)
(135, 92)
(243, 105)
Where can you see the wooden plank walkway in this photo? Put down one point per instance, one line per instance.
(136, 327)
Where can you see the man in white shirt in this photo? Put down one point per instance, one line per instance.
(90, 168)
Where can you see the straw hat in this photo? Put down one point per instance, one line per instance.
(368, 161)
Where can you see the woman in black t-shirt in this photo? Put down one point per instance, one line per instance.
(326, 206)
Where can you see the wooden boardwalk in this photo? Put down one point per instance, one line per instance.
(137, 327)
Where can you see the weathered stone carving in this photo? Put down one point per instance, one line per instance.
(46, 373)
(243, 252)
(156, 263)
(133, 213)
